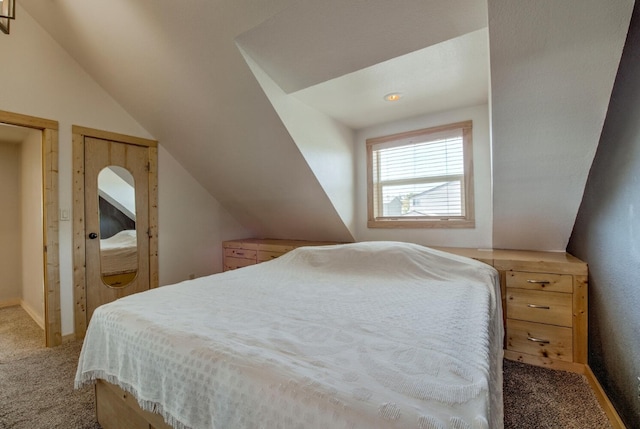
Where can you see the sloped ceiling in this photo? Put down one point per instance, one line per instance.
(177, 68)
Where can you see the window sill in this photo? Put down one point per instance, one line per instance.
(419, 224)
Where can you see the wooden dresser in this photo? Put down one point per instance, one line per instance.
(544, 301)
(251, 251)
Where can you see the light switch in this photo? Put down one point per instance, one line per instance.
(64, 214)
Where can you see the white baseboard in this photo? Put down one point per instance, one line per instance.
(10, 302)
(39, 319)
(68, 338)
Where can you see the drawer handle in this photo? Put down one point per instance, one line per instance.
(538, 340)
(539, 282)
(541, 307)
(240, 253)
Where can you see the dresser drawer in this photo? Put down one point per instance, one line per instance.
(265, 255)
(540, 281)
(240, 253)
(281, 248)
(233, 263)
(538, 339)
(536, 306)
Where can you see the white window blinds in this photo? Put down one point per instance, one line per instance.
(420, 175)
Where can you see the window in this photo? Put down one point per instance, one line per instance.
(421, 178)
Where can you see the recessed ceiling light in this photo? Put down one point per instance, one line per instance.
(394, 96)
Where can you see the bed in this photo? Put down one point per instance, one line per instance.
(366, 335)
(119, 257)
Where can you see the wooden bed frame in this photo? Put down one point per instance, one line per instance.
(117, 409)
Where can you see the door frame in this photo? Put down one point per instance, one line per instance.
(79, 233)
(51, 251)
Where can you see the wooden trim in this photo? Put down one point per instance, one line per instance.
(27, 121)
(51, 268)
(410, 134)
(79, 270)
(603, 399)
(79, 274)
(435, 223)
(580, 319)
(50, 207)
(469, 194)
(108, 135)
(154, 279)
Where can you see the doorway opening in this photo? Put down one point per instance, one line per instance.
(48, 213)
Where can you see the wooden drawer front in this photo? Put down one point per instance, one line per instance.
(233, 263)
(239, 244)
(540, 281)
(240, 253)
(265, 255)
(279, 248)
(544, 307)
(538, 339)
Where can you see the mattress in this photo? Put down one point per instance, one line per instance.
(366, 335)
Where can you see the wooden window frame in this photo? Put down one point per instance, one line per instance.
(466, 221)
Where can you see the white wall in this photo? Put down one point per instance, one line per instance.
(478, 237)
(192, 225)
(31, 226)
(553, 65)
(10, 243)
(46, 82)
(325, 143)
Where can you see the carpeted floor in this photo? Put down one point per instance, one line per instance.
(37, 383)
(36, 387)
(541, 398)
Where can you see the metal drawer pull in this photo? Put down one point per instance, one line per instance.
(240, 253)
(541, 307)
(539, 282)
(538, 340)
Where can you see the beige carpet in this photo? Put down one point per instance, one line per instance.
(37, 383)
(36, 387)
(541, 398)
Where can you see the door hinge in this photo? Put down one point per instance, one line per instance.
(45, 248)
(148, 167)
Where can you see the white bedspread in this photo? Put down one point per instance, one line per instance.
(368, 335)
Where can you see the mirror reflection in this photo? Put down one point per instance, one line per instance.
(118, 244)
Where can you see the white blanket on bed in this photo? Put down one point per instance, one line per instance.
(369, 335)
(119, 253)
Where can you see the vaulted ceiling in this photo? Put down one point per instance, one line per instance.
(260, 100)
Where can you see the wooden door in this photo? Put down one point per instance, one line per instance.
(105, 285)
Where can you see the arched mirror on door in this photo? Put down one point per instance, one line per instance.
(118, 243)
